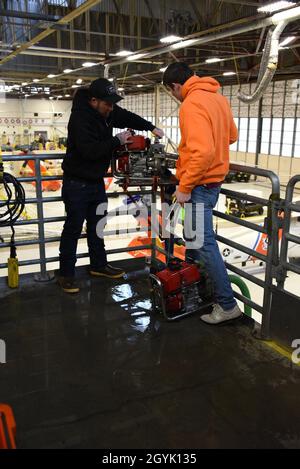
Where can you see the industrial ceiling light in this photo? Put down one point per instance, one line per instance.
(59, 96)
(228, 74)
(68, 70)
(75, 86)
(286, 41)
(135, 56)
(51, 97)
(120, 89)
(35, 80)
(51, 75)
(170, 39)
(79, 81)
(275, 6)
(163, 69)
(24, 83)
(182, 44)
(67, 95)
(139, 86)
(111, 79)
(213, 60)
(124, 53)
(89, 64)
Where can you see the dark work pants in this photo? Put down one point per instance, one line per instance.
(81, 200)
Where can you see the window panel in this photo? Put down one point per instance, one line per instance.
(275, 148)
(266, 123)
(297, 151)
(276, 136)
(244, 123)
(242, 145)
(243, 135)
(288, 131)
(251, 146)
(286, 150)
(297, 141)
(264, 147)
(277, 124)
(253, 123)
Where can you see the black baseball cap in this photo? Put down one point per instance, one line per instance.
(105, 90)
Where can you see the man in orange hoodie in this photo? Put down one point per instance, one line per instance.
(207, 129)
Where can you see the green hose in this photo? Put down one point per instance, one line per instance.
(244, 290)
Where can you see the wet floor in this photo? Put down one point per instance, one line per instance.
(100, 370)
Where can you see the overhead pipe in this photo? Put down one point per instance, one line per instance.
(28, 15)
(56, 52)
(53, 49)
(62, 55)
(277, 19)
(268, 65)
(70, 51)
(188, 42)
(269, 61)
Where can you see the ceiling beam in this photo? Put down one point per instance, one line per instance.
(243, 2)
(197, 12)
(29, 15)
(64, 20)
(155, 23)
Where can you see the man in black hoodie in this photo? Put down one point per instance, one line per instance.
(89, 149)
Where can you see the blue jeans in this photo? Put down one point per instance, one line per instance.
(209, 253)
(81, 200)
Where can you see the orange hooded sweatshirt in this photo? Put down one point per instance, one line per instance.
(207, 129)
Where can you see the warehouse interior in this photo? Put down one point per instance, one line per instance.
(109, 367)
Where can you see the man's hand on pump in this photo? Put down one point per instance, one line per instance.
(124, 137)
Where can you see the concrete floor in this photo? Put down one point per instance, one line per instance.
(100, 370)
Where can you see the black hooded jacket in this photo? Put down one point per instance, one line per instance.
(90, 142)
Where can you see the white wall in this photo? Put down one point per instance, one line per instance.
(17, 118)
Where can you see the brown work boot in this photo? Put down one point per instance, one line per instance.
(68, 284)
(107, 271)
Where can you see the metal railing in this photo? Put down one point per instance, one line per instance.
(270, 228)
(41, 220)
(287, 236)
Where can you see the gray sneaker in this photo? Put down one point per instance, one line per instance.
(219, 315)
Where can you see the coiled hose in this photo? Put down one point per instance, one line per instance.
(14, 202)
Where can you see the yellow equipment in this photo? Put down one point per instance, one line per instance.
(13, 270)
